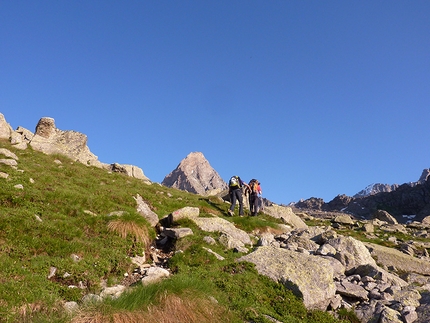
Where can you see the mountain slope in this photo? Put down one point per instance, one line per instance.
(68, 230)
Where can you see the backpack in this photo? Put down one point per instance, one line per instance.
(234, 181)
(253, 184)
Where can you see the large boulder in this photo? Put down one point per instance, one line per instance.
(384, 216)
(351, 252)
(309, 277)
(286, 214)
(216, 224)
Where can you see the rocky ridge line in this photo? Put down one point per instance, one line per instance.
(51, 140)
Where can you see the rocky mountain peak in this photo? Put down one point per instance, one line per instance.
(424, 176)
(194, 174)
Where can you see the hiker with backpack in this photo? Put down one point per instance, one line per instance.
(254, 193)
(235, 185)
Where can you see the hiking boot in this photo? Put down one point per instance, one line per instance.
(230, 212)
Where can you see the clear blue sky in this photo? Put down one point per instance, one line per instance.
(313, 98)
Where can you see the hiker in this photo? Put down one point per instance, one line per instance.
(235, 190)
(254, 193)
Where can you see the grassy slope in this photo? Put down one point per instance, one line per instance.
(60, 195)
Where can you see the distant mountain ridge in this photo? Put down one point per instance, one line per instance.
(404, 202)
(376, 188)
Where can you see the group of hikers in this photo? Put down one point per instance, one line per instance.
(252, 189)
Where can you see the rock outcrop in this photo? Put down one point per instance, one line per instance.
(50, 140)
(195, 175)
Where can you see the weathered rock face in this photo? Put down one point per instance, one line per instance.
(194, 174)
(50, 140)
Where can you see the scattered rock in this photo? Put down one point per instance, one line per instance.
(144, 210)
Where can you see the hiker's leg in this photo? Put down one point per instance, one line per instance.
(240, 199)
(251, 203)
(257, 204)
(232, 200)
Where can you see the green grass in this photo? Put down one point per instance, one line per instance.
(61, 194)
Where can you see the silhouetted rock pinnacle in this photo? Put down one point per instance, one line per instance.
(194, 174)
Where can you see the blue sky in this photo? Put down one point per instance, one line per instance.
(313, 98)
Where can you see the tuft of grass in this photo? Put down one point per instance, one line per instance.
(170, 308)
(130, 225)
